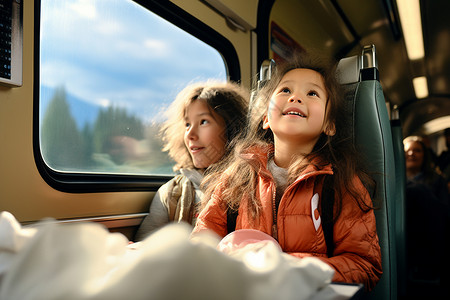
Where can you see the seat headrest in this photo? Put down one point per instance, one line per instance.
(348, 70)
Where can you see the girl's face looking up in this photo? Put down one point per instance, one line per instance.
(205, 134)
(296, 111)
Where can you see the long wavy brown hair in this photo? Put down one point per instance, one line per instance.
(227, 99)
(338, 150)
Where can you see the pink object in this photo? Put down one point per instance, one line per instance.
(242, 237)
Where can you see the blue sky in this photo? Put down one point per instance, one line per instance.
(115, 52)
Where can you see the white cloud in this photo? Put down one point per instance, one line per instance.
(109, 28)
(84, 8)
(119, 55)
(103, 102)
(157, 47)
(139, 51)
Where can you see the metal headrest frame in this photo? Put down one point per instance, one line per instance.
(349, 69)
(265, 73)
(369, 57)
(266, 70)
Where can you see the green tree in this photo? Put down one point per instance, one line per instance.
(61, 143)
(158, 162)
(115, 121)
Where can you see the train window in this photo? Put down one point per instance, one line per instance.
(108, 69)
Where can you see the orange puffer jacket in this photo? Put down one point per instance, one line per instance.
(356, 257)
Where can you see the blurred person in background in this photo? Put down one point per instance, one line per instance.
(427, 220)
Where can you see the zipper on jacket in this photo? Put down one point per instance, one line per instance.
(275, 214)
(275, 208)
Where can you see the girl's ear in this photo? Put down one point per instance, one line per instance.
(330, 130)
(265, 123)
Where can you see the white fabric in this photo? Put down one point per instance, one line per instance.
(196, 178)
(12, 239)
(280, 175)
(85, 261)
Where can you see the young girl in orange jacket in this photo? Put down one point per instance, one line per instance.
(274, 179)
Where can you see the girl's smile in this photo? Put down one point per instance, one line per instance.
(295, 112)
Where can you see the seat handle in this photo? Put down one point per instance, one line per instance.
(369, 57)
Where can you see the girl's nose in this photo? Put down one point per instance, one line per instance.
(294, 98)
(192, 133)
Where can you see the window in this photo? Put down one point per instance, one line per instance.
(107, 71)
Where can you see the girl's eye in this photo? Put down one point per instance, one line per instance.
(313, 94)
(187, 125)
(285, 90)
(203, 122)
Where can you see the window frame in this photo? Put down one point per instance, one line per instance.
(88, 183)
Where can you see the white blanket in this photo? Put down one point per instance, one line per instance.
(85, 261)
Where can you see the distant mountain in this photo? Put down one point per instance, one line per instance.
(82, 111)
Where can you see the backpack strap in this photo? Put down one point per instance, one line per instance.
(327, 207)
(231, 219)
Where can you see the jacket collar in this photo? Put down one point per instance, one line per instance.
(259, 157)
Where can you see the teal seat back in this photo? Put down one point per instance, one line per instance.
(372, 136)
(400, 202)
